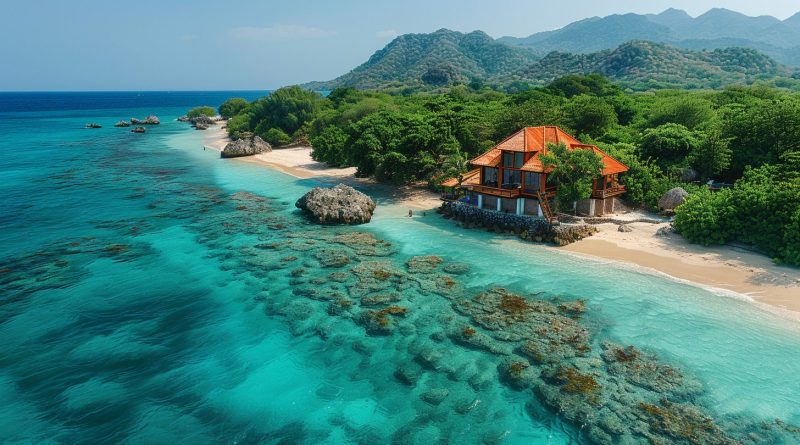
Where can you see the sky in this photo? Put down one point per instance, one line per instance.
(98, 45)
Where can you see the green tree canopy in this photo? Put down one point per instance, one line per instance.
(232, 107)
(573, 170)
(202, 111)
(669, 145)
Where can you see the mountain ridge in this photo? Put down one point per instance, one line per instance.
(780, 39)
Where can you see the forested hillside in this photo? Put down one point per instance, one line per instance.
(440, 58)
(417, 62)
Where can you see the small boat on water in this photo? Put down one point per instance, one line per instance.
(94, 125)
(138, 130)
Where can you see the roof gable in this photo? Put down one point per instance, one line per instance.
(536, 140)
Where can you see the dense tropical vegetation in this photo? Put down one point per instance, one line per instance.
(749, 136)
(202, 111)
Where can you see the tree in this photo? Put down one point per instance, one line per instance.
(573, 170)
(668, 145)
(232, 107)
(590, 115)
(713, 155)
(286, 109)
(202, 111)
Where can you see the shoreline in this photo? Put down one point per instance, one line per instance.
(720, 269)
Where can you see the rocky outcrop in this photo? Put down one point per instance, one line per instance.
(122, 124)
(525, 227)
(338, 205)
(203, 120)
(672, 199)
(201, 126)
(149, 120)
(245, 147)
(184, 118)
(138, 130)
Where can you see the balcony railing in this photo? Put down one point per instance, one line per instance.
(503, 193)
(609, 192)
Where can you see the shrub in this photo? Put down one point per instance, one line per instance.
(202, 111)
(276, 137)
(702, 218)
(232, 107)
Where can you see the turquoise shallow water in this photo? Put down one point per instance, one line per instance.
(153, 293)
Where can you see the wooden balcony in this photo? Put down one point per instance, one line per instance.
(609, 192)
(494, 191)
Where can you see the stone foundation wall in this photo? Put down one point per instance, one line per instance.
(525, 227)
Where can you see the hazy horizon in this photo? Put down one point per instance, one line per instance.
(246, 45)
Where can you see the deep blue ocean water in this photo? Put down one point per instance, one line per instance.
(151, 292)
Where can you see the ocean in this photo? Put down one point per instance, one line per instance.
(151, 292)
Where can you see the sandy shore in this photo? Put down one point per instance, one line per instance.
(722, 267)
(297, 162)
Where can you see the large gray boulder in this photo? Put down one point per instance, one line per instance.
(672, 199)
(203, 120)
(245, 147)
(338, 205)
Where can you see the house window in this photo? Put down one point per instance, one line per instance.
(511, 179)
(531, 181)
(513, 160)
(490, 177)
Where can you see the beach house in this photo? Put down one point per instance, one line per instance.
(511, 178)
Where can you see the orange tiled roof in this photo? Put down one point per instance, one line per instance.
(536, 140)
(472, 177)
(489, 159)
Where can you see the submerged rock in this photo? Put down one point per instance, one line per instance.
(138, 130)
(338, 205)
(245, 147)
(184, 118)
(94, 125)
(435, 396)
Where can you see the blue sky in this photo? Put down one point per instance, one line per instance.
(238, 44)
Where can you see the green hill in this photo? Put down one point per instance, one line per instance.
(643, 65)
(439, 58)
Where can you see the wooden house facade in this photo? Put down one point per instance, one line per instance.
(510, 177)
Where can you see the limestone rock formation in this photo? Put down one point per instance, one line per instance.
(138, 130)
(203, 120)
(122, 124)
(245, 147)
(338, 205)
(672, 199)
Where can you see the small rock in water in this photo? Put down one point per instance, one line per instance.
(435, 396)
(624, 228)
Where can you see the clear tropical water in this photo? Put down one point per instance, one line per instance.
(151, 292)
